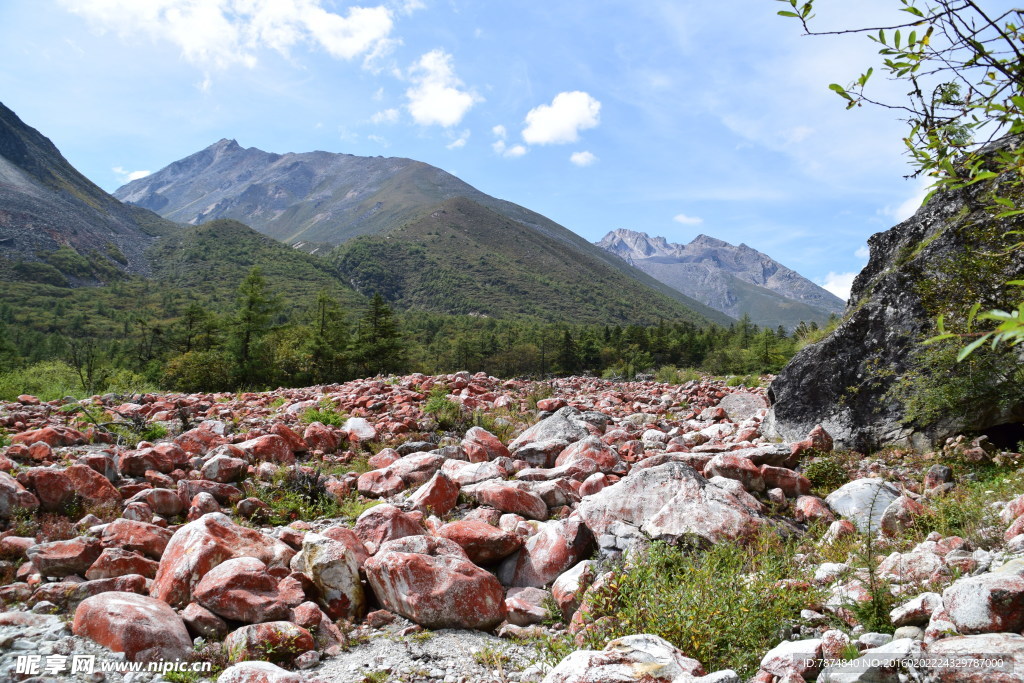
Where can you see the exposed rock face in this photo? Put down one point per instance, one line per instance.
(731, 279)
(940, 261)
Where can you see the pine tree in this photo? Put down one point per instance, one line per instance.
(379, 347)
(326, 348)
(254, 311)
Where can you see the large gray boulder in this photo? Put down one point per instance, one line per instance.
(949, 255)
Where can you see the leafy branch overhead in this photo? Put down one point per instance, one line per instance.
(964, 108)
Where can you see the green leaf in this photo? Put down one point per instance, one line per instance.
(969, 349)
(840, 90)
(784, 13)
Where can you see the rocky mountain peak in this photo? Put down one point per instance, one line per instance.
(734, 280)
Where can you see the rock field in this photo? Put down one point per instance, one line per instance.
(165, 551)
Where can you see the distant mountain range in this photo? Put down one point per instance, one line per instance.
(418, 235)
(735, 280)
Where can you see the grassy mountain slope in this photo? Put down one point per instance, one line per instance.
(215, 257)
(464, 258)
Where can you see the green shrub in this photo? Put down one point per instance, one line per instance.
(48, 381)
(448, 413)
(826, 474)
(295, 494)
(725, 606)
(198, 371)
(327, 416)
(670, 374)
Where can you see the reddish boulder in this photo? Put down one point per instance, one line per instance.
(503, 496)
(480, 445)
(590, 448)
(224, 469)
(334, 570)
(269, 448)
(383, 523)
(294, 441)
(199, 546)
(430, 581)
(320, 437)
(164, 458)
(241, 589)
(483, 542)
(114, 562)
(736, 467)
(791, 483)
(988, 603)
(144, 629)
(545, 555)
(274, 640)
(69, 594)
(92, 486)
(438, 496)
(164, 502)
(203, 623)
(13, 497)
(64, 558)
(129, 534)
(199, 441)
(53, 488)
(810, 508)
(52, 436)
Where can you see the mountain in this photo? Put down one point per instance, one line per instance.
(57, 226)
(318, 199)
(734, 280)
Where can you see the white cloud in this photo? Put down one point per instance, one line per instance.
(863, 253)
(907, 209)
(128, 176)
(221, 33)
(839, 284)
(500, 131)
(502, 149)
(561, 121)
(687, 220)
(386, 116)
(583, 158)
(382, 141)
(459, 141)
(515, 151)
(436, 97)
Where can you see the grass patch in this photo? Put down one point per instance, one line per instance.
(295, 494)
(826, 473)
(325, 414)
(355, 505)
(724, 607)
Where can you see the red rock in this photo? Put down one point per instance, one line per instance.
(253, 508)
(900, 515)
(92, 486)
(319, 437)
(225, 494)
(348, 538)
(480, 445)
(269, 448)
(791, 483)
(431, 582)
(567, 590)
(199, 441)
(295, 441)
(590, 448)
(732, 466)
(114, 562)
(241, 589)
(988, 603)
(143, 628)
(199, 546)
(525, 606)
(63, 558)
(14, 496)
(818, 440)
(40, 451)
(52, 436)
(438, 496)
(28, 400)
(224, 469)
(383, 458)
(593, 484)
(164, 502)
(163, 458)
(810, 508)
(70, 593)
(383, 523)
(14, 547)
(202, 623)
(482, 542)
(358, 429)
(133, 535)
(334, 570)
(53, 488)
(555, 548)
(275, 640)
(507, 498)
(202, 504)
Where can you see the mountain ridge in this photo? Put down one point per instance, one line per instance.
(735, 280)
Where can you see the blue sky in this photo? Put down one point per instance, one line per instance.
(670, 117)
